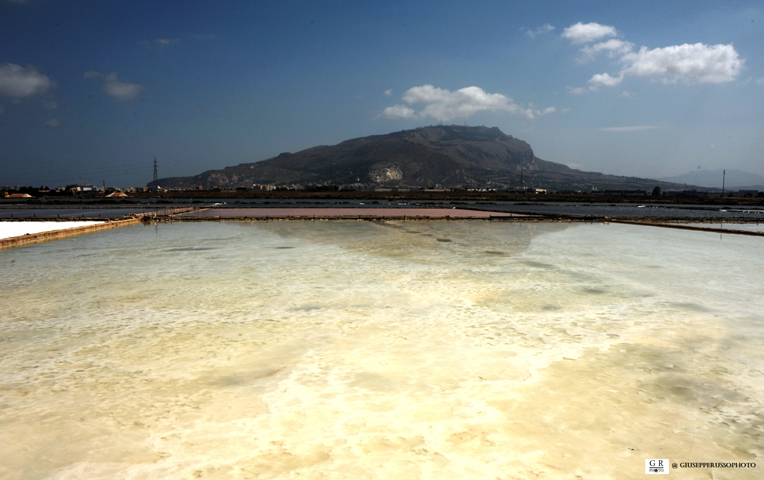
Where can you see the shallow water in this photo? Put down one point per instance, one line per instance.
(442, 350)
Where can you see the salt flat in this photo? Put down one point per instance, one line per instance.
(370, 350)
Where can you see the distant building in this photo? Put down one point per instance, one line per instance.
(632, 193)
(81, 188)
(746, 193)
(526, 190)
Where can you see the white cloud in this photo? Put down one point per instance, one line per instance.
(628, 129)
(760, 81)
(16, 81)
(388, 92)
(696, 62)
(52, 123)
(686, 63)
(603, 79)
(588, 32)
(542, 30)
(443, 104)
(613, 47)
(627, 94)
(399, 111)
(120, 91)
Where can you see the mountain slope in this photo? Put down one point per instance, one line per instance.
(447, 156)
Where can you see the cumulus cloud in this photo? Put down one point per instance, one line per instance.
(120, 91)
(18, 82)
(688, 63)
(627, 94)
(588, 32)
(399, 111)
(698, 62)
(52, 123)
(443, 104)
(605, 80)
(388, 92)
(613, 47)
(542, 30)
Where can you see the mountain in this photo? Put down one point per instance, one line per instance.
(447, 156)
(735, 179)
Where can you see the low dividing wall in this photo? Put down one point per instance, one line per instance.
(42, 237)
(31, 239)
(693, 227)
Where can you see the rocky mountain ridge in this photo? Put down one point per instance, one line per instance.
(442, 156)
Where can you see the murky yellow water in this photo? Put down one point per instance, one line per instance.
(355, 350)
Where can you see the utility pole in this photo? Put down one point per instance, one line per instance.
(724, 176)
(155, 170)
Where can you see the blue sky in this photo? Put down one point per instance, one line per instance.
(95, 90)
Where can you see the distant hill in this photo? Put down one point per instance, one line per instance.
(735, 179)
(445, 156)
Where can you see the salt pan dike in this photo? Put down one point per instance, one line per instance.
(24, 233)
(18, 229)
(375, 350)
